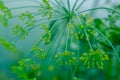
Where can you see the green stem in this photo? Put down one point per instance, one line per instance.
(61, 6)
(88, 40)
(59, 11)
(30, 28)
(36, 1)
(68, 34)
(16, 8)
(116, 53)
(80, 5)
(76, 63)
(57, 6)
(74, 5)
(52, 44)
(34, 13)
(38, 25)
(59, 40)
(50, 56)
(68, 2)
(37, 44)
(104, 8)
(57, 22)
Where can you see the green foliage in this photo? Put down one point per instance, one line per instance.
(38, 52)
(94, 58)
(28, 18)
(46, 35)
(46, 9)
(5, 14)
(53, 58)
(82, 27)
(23, 69)
(8, 45)
(66, 58)
(20, 31)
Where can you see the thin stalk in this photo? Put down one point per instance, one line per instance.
(42, 40)
(57, 22)
(50, 56)
(68, 2)
(68, 34)
(88, 40)
(62, 3)
(59, 11)
(53, 42)
(36, 1)
(76, 63)
(29, 29)
(38, 25)
(16, 8)
(59, 40)
(61, 6)
(116, 53)
(104, 8)
(80, 5)
(74, 5)
(37, 44)
(58, 6)
(34, 13)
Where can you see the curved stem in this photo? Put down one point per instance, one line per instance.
(52, 44)
(61, 6)
(105, 8)
(59, 39)
(68, 34)
(56, 7)
(57, 22)
(29, 29)
(88, 39)
(76, 63)
(34, 13)
(36, 1)
(37, 44)
(74, 5)
(116, 53)
(80, 5)
(59, 11)
(68, 2)
(16, 8)
(38, 25)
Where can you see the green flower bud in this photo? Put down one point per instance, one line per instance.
(94, 59)
(28, 18)
(20, 31)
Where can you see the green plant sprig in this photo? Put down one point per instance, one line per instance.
(80, 5)
(8, 45)
(100, 8)
(94, 58)
(5, 14)
(61, 22)
(116, 53)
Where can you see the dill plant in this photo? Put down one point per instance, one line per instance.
(52, 57)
